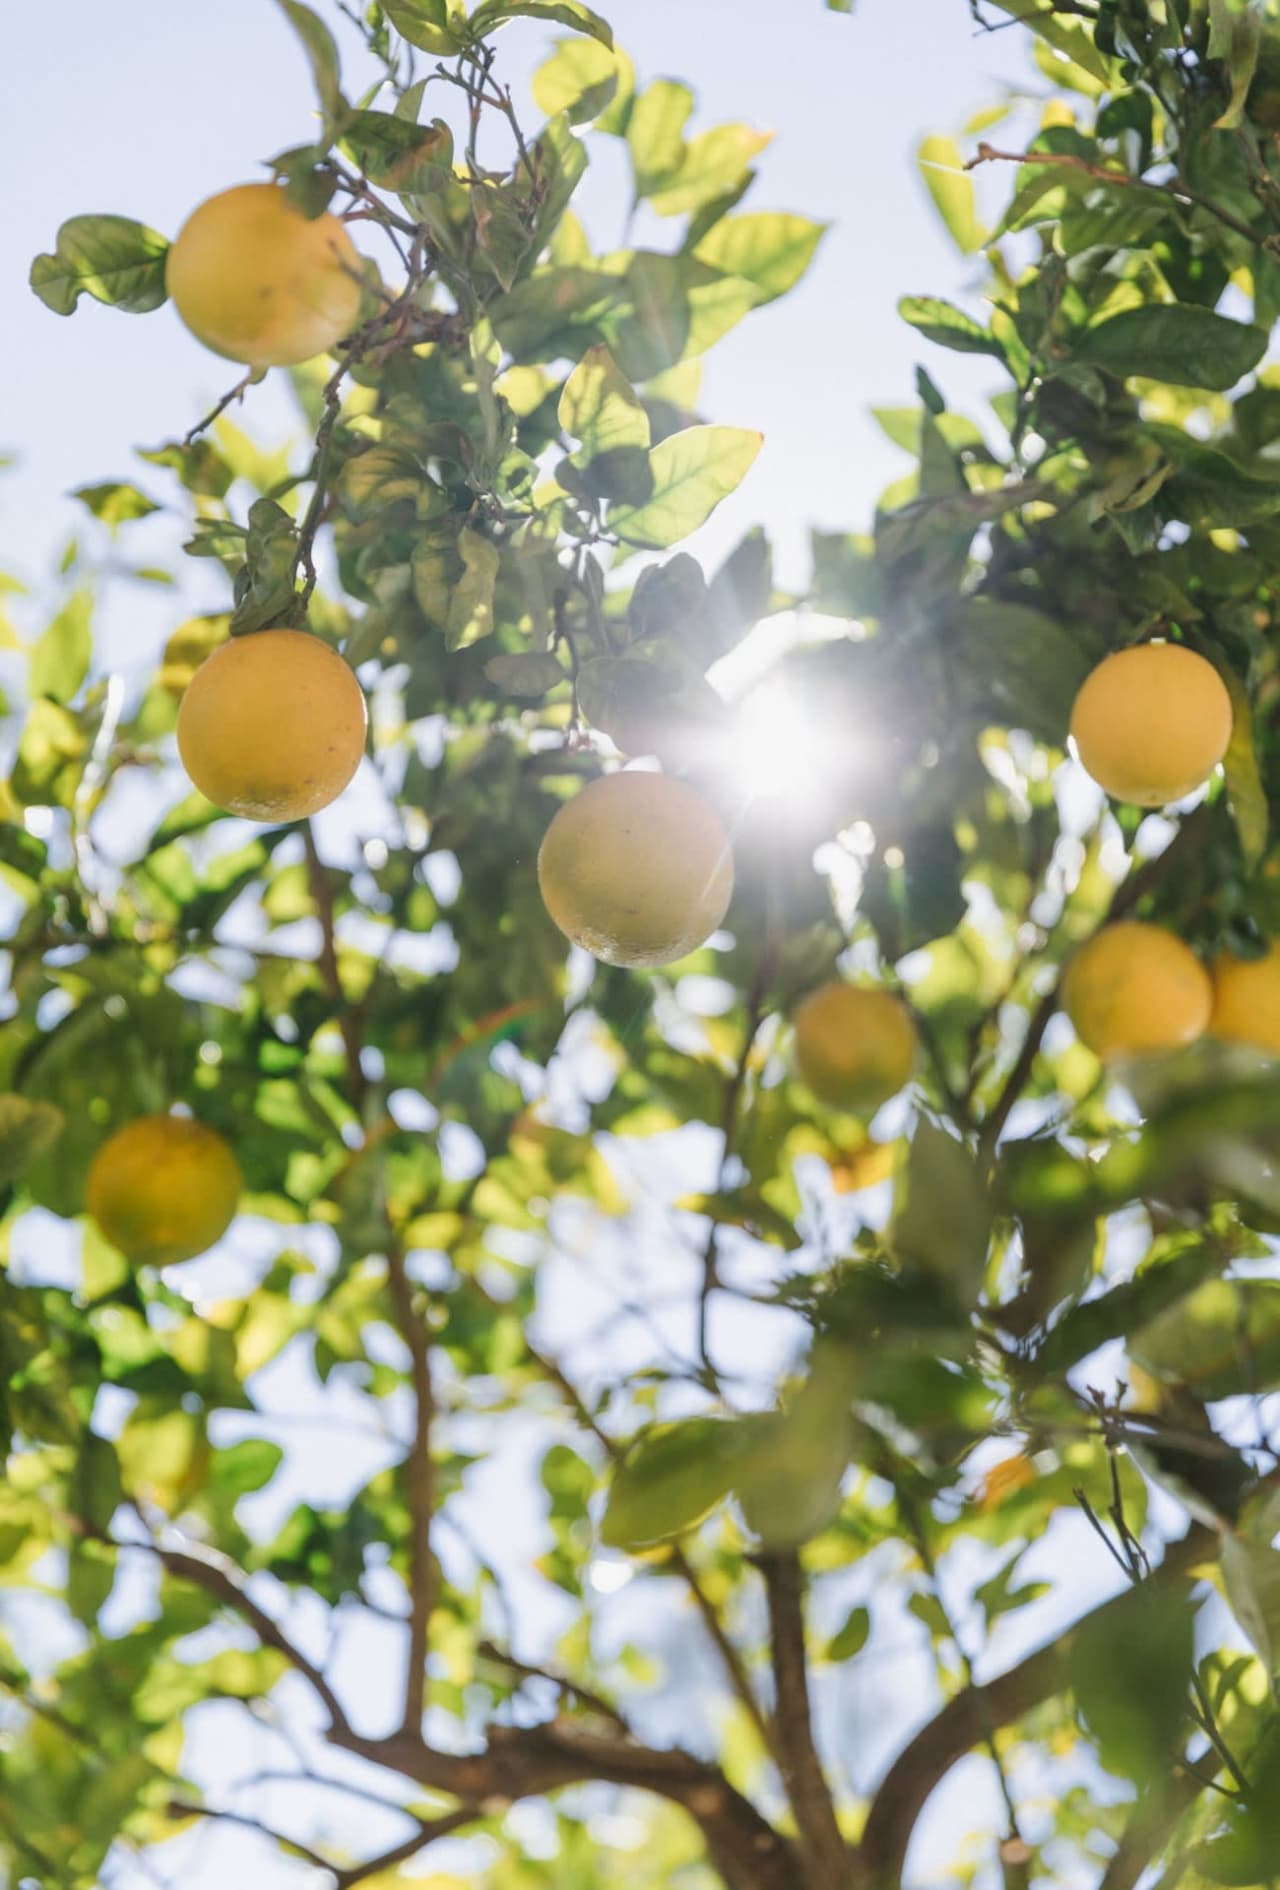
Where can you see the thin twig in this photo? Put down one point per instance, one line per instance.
(228, 400)
(181, 1808)
(427, 1833)
(1106, 174)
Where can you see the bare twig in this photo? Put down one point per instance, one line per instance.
(181, 1808)
(428, 1831)
(229, 399)
(219, 1577)
(1108, 174)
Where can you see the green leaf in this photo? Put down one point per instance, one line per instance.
(692, 472)
(944, 1224)
(199, 466)
(947, 325)
(1130, 1667)
(322, 52)
(1173, 342)
(471, 604)
(1248, 796)
(581, 78)
(244, 1467)
(424, 23)
(711, 166)
(264, 586)
(115, 504)
(1235, 35)
(600, 407)
(673, 1476)
(1251, 1574)
(113, 259)
(655, 133)
(951, 188)
(850, 1640)
(60, 658)
(27, 1130)
(1064, 36)
(526, 673)
(769, 248)
(572, 13)
(794, 1460)
(399, 154)
(1221, 1341)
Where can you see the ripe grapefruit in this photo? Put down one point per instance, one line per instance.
(1246, 1000)
(163, 1188)
(272, 725)
(257, 281)
(854, 1047)
(1136, 988)
(1151, 723)
(638, 868)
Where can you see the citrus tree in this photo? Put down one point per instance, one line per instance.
(790, 1248)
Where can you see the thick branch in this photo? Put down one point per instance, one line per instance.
(420, 1476)
(524, 1762)
(820, 1842)
(964, 1723)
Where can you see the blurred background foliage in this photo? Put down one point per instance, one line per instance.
(658, 1366)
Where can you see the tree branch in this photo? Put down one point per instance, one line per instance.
(420, 1476)
(180, 1808)
(1150, 1825)
(827, 1858)
(964, 1723)
(219, 1577)
(1177, 192)
(428, 1831)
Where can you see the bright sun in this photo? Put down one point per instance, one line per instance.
(783, 747)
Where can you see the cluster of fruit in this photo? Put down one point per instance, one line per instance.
(1151, 724)
(637, 868)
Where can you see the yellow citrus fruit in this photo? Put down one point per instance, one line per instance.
(638, 868)
(1152, 723)
(1135, 988)
(1246, 1000)
(854, 1047)
(272, 725)
(163, 1188)
(257, 281)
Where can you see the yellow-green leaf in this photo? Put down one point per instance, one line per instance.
(951, 188)
(692, 471)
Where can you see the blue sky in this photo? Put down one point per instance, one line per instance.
(152, 107)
